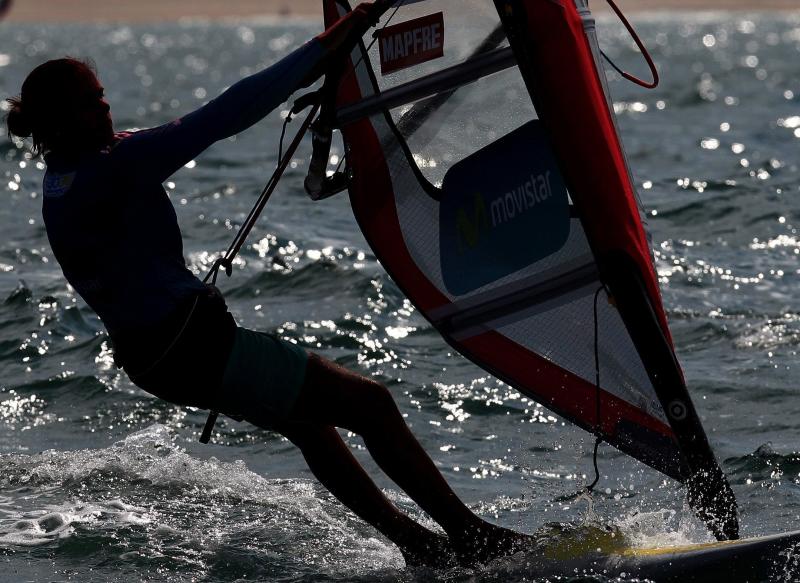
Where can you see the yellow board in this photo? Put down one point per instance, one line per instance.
(587, 551)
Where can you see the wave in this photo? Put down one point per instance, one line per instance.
(207, 515)
(764, 465)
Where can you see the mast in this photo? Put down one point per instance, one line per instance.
(709, 493)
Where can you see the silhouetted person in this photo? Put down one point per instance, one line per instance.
(115, 234)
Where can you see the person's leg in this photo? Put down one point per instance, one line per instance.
(334, 396)
(333, 464)
(260, 385)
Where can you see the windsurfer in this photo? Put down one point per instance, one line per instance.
(115, 234)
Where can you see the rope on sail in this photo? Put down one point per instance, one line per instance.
(645, 53)
(598, 430)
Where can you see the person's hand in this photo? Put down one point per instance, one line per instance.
(371, 11)
(343, 35)
(214, 292)
(345, 32)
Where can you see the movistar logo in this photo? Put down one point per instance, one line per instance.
(507, 193)
(523, 198)
(469, 226)
(472, 224)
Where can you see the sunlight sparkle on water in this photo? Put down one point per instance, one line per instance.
(28, 410)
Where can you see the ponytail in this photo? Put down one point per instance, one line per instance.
(40, 112)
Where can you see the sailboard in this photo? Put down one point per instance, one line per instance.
(752, 560)
(487, 174)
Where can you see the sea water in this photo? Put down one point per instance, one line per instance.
(100, 481)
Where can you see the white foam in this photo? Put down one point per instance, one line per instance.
(662, 528)
(51, 523)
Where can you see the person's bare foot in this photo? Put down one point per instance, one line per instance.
(434, 551)
(487, 542)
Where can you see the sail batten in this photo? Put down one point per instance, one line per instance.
(444, 81)
(517, 305)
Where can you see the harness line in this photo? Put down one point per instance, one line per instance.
(226, 260)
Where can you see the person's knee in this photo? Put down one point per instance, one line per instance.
(339, 397)
(379, 404)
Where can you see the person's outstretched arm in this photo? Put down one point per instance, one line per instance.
(159, 152)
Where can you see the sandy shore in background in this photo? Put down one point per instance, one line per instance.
(165, 10)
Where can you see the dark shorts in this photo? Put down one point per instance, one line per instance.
(182, 360)
(201, 358)
(262, 379)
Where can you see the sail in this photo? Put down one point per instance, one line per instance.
(489, 179)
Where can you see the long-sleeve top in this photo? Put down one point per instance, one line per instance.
(109, 220)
